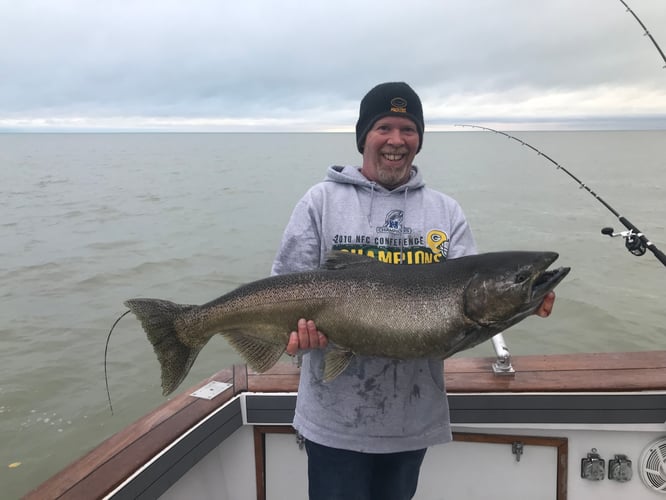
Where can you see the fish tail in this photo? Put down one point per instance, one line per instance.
(158, 320)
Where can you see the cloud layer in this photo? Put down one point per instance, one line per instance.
(302, 65)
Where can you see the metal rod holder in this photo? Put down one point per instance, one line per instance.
(502, 365)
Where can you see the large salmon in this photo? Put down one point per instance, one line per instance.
(365, 307)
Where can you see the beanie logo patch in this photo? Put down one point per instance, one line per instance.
(398, 105)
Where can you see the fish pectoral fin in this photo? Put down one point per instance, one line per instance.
(261, 354)
(336, 361)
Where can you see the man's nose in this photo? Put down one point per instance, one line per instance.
(395, 137)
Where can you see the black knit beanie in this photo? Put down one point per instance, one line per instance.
(388, 99)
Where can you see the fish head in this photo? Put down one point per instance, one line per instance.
(508, 286)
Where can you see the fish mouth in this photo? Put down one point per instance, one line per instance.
(542, 284)
(546, 282)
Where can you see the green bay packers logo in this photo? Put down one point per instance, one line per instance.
(438, 242)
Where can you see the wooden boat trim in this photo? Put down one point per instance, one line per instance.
(598, 372)
(108, 465)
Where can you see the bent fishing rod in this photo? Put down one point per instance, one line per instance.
(647, 33)
(635, 241)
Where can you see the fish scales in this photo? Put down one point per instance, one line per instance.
(353, 310)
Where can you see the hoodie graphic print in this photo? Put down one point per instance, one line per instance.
(377, 405)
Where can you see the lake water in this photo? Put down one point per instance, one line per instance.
(89, 220)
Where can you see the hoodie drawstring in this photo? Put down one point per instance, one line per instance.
(404, 214)
(372, 199)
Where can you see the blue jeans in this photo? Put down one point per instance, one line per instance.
(335, 474)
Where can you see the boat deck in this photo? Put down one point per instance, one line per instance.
(117, 458)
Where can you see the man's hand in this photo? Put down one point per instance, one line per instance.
(546, 306)
(307, 337)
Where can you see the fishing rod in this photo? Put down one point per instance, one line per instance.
(647, 33)
(634, 240)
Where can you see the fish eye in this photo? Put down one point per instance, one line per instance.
(522, 277)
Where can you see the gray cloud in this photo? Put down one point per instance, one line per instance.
(300, 64)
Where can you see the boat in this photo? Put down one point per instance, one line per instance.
(574, 426)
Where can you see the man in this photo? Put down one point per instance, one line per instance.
(366, 432)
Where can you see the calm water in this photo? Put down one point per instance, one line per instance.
(87, 221)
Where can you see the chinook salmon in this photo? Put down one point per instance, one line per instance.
(365, 307)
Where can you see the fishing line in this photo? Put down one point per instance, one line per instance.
(634, 240)
(647, 33)
(106, 349)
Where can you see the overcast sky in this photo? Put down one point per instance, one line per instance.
(288, 65)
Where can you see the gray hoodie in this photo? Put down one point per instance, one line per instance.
(377, 405)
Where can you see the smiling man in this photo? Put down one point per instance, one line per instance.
(366, 431)
(389, 133)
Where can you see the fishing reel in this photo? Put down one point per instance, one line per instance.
(632, 240)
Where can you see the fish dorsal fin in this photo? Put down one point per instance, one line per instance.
(342, 260)
(336, 361)
(261, 354)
